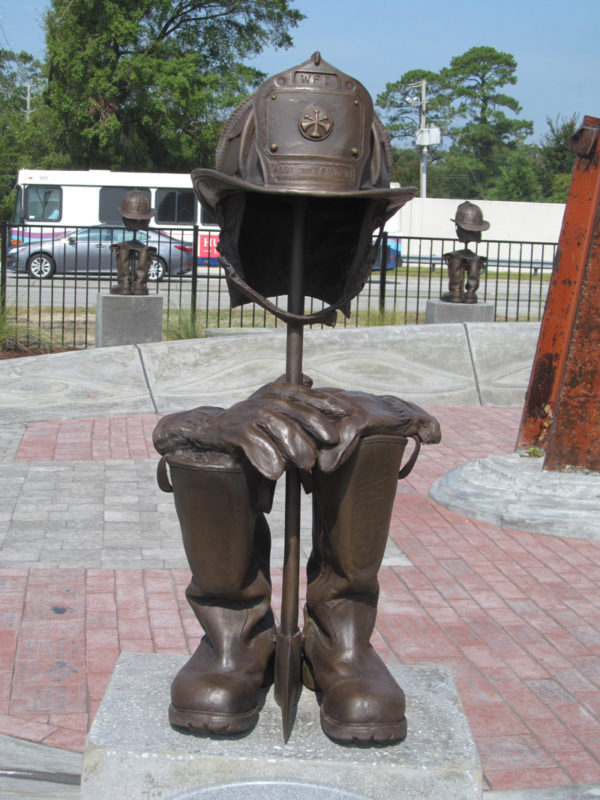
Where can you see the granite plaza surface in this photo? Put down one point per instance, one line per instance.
(91, 563)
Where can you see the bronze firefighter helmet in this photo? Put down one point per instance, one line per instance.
(470, 217)
(310, 131)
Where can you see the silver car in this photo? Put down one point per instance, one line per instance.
(87, 251)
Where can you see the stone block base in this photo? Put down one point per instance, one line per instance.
(128, 319)
(133, 752)
(439, 311)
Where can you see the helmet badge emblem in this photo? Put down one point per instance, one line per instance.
(315, 123)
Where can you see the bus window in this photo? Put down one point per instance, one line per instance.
(207, 218)
(42, 204)
(175, 206)
(110, 201)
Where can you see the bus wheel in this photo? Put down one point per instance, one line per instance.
(41, 265)
(158, 269)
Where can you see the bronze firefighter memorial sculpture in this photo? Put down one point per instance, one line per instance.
(133, 257)
(307, 159)
(469, 223)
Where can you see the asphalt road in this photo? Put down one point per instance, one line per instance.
(410, 294)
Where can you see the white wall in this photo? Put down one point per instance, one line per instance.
(509, 221)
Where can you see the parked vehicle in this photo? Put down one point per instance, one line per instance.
(90, 198)
(392, 258)
(88, 251)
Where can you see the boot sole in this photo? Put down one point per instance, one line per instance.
(357, 733)
(218, 724)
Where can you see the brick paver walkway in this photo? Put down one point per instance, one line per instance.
(80, 439)
(515, 616)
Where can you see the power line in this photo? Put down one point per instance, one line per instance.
(4, 34)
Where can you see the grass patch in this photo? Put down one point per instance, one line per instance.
(245, 317)
(20, 336)
(426, 268)
(258, 318)
(47, 328)
(374, 318)
(54, 327)
(532, 452)
(180, 324)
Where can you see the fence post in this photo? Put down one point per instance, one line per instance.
(382, 271)
(194, 277)
(3, 255)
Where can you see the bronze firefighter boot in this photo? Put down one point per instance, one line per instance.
(455, 293)
(361, 702)
(227, 543)
(474, 264)
(142, 268)
(123, 270)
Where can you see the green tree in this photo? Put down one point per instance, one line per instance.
(517, 179)
(559, 191)
(21, 110)
(473, 82)
(478, 121)
(146, 84)
(457, 173)
(406, 166)
(400, 104)
(553, 162)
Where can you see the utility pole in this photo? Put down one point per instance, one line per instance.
(26, 97)
(425, 136)
(422, 120)
(28, 101)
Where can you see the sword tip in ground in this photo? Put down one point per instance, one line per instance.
(288, 682)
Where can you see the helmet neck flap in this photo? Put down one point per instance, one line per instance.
(255, 246)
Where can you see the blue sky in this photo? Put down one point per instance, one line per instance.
(556, 45)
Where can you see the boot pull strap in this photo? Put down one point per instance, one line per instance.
(162, 476)
(407, 468)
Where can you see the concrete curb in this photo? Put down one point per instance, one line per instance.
(458, 364)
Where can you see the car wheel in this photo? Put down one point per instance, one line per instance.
(41, 265)
(158, 269)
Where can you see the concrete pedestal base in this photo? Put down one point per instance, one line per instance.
(513, 490)
(133, 752)
(128, 319)
(438, 311)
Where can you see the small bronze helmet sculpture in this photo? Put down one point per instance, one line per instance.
(133, 257)
(135, 210)
(307, 139)
(469, 224)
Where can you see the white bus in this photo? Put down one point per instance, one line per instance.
(47, 199)
(88, 198)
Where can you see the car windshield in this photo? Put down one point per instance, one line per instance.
(110, 235)
(91, 235)
(124, 235)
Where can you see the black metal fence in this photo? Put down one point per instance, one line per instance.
(49, 284)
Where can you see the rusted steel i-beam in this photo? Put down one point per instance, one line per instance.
(562, 406)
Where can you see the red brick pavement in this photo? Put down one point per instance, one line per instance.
(515, 616)
(121, 437)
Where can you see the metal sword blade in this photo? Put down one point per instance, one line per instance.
(288, 649)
